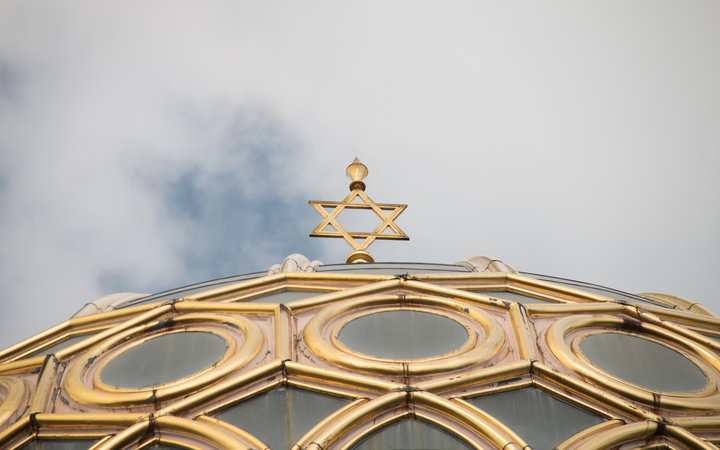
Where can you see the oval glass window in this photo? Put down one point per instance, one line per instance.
(643, 362)
(403, 334)
(163, 359)
(411, 434)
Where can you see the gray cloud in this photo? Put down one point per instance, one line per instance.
(149, 146)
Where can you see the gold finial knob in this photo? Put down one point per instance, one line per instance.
(357, 171)
(357, 199)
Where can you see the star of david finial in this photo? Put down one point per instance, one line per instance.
(358, 199)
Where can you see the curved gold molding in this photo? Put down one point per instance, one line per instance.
(378, 425)
(67, 426)
(239, 432)
(172, 443)
(455, 411)
(15, 395)
(306, 439)
(217, 437)
(580, 436)
(221, 389)
(97, 322)
(470, 341)
(100, 394)
(707, 399)
(674, 300)
(476, 353)
(615, 436)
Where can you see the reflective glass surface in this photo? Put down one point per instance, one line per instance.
(595, 289)
(403, 334)
(643, 362)
(64, 444)
(281, 416)
(512, 296)
(191, 289)
(61, 345)
(542, 420)
(163, 359)
(392, 268)
(410, 434)
(285, 296)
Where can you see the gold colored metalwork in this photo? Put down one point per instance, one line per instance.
(244, 435)
(490, 419)
(166, 442)
(674, 301)
(15, 394)
(417, 401)
(45, 383)
(523, 333)
(589, 391)
(576, 438)
(357, 172)
(64, 426)
(337, 378)
(615, 436)
(103, 395)
(707, 399)
(305, 440)
(222, 389)
(471, 352)
(528, 360)
(200, 430)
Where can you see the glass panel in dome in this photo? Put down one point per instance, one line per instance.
(542, 420)
(190, 289)
(64, 444)
(595, 289)
(163, 359)
(393, 268)
(643, 362)
(285, 296)
(410, 434)
(281, 416)
(403, 334)
(61, 345)
(512, 296)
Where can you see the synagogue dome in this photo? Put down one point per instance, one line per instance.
(372, 355)
(369, 355)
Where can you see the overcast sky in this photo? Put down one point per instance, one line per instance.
(148, 145)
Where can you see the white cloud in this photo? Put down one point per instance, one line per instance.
(575, 140)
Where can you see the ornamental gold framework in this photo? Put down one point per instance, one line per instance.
(510, 346)
(295, 343)
(358, 199)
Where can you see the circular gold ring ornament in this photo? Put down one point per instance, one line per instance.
(564, 336)
(84, 384)
(15, 393)
(321, 334)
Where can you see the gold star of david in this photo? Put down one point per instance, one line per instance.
(358, 199)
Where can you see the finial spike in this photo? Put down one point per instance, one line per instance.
(357, 171)
(357, 199)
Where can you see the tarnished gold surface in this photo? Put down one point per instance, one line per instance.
(577, 438)
(99, 393)
(15, 392)
(707, 399)
(616, 436)
(512, 346)
(472, 352)
(213, 435)
(358, 199)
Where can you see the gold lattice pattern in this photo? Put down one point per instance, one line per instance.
(357, 199)
(506, 346)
